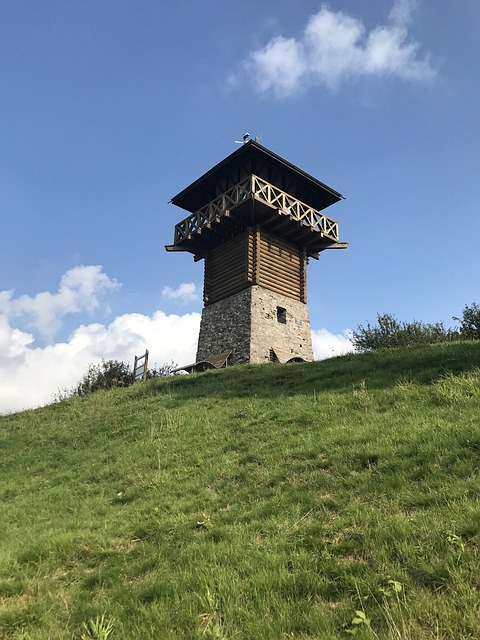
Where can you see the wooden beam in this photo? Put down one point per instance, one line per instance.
(284, 287)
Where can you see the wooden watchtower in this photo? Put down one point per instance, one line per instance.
(255, 220)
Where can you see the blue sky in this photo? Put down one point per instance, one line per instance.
(108, 109)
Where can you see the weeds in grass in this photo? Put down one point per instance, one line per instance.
(391, 588)
(455, 541)
(99, 628)
(358, 622)
(394, 611)
(205, 523)
(361, 395)
(210, 619)
(454, 389)
(404, 383)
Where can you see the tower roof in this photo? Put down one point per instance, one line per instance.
(264, 163)
(254, 186)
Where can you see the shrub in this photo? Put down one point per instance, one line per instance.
(109, 374)
(470, 322)
(161, 371)
(390, 332)
(105, 375)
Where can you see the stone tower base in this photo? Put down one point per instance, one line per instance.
(253, 322)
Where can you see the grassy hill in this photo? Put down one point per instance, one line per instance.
(316, 500)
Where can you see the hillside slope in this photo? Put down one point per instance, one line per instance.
(253, 502)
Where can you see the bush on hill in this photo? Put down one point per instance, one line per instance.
(390, 332)
(104, 375)
(109, 374)
(470, 322)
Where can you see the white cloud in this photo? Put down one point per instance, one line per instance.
(81, 289)
(30, 377)
(278, 67)
(326, 344)
(185, 292)
(401, 12)
(13, 342)
(335, 47)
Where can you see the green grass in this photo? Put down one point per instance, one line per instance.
(253, 502)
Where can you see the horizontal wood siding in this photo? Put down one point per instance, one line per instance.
(281, 267)
(255, 257)
(228, 268)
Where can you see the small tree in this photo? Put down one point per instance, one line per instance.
(470, 322)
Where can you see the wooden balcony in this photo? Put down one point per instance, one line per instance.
(256, 201)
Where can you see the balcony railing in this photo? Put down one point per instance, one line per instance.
(263, 191)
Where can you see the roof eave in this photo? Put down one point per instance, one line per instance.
(251, 147)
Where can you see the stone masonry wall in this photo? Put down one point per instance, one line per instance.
(293, 335)
(253, 321)
(225, 326)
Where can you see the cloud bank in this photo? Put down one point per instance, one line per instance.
(335, 47)
(32, 376)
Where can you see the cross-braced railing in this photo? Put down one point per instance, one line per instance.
(263, 191)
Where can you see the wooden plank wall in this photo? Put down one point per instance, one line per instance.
(281, 266)
(228, 268)
(255, 257)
